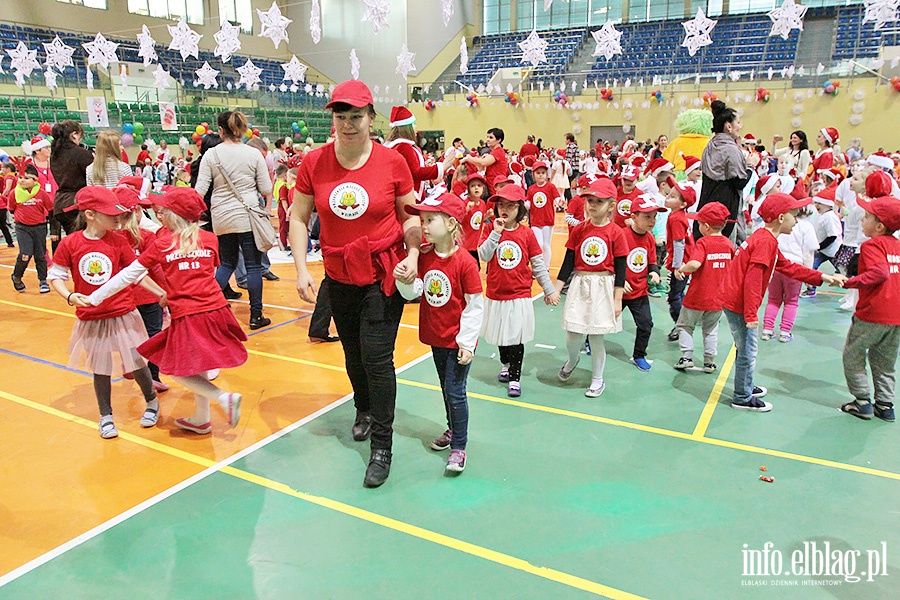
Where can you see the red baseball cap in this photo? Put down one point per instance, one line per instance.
(714, 213)
(586, 180)
(99, 199)
(352, 92)
(447, 203)
(688, 193)
(539, 165)
(630, 172)
(886, 208)
(602, 188)
(776, 205)
(476, 177)
(513, 193)
(127, 196)
(500, 179)
(646, 203)
(183, 201)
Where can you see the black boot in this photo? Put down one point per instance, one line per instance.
(230, 293)
(379, 468)
(362, 428)
(257, 320)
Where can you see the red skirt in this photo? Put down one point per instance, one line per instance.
(197, 343)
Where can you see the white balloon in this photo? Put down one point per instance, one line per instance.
(858, 107)
(797, 109)
(856, 119)
(796, 122)
(626, 128)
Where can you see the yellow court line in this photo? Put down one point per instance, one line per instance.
(299, 361)
(452, 543)
(39, 309)
(713, 400)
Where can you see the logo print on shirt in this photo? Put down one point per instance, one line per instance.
(437, 288)
(624, 207)
(349, 201)
(594, 251)
(95, 268)
(509, 255)
(540, 200)
(475, 221)
(637, 260)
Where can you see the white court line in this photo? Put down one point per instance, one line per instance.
(122, 517)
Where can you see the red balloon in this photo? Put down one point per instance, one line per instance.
(196, 137)
(45, 128)
(256, 132)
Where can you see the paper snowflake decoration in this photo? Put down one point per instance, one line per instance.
(376, 13)
(315, 22)
(607, 38)
(787, 18)
(123, 75)
(463, 56)
(59, 56)
(227, 42)
(697, 32)
(274, 24)
(354, 64)
(547, 5)
(249, 74)
(882, 12)
(23, 61)
(160, 78)
(50, 79)
(89, 78)
(146, 46)
(446, 11)
(294, 71)
(405, 62)
(206, 76)
(533, 48)
(101, 51)
(184, 39)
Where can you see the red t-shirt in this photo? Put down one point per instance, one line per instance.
(190, 281)
(142, 156)
(623, 205)
(472, 225)
(93, 263)
(597, 247)
(677, 230)
(447, 281)
(543, 201)
(33, 211)
(576, 209)
(824, 161)
(141, 296)
(500, 167)
(509, 270)
(714, 253)
(641, 254)
(528, 149)
(878, 303)
(45, 178)
(284, 197)
(12, 188)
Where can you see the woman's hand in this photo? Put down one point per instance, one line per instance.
(405, 271)
(306, 287)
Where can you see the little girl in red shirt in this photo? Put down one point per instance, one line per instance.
(30, 206)
(475, 208)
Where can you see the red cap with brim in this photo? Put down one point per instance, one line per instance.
(776, 205)
(513, 193)
(99, 199)
(127, 196)
(688, 194)
(352, 92)
(539, 165)
(602, 188)
(646, 204)
(185, 202)
(500, 180)
(714, 213)
(476, 177)
(886, 208)
(447, 203)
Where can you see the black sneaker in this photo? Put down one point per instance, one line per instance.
(362, 428)
(753, 405)
(710, 367)
(230, 293)
(270, 276)
(759, 391)
(673, 335)
(17, 283)
(379, 468)
(257, 321)
(884, 412)
(684, 363)
(44, 287)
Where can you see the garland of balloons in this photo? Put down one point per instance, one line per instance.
(132, 133)
(512, 98)
(657, 96)
(560, 98)
(606, 94)
(763, 95)
(299, 129)
(430, 105)
(709, 98)
(831, 87)
(472, 99)
(895, 83)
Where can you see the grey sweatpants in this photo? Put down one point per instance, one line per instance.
(708, 321)
(880, 343)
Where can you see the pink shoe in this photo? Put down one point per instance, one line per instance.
(201, 429)
(159, 386)
(232, 404)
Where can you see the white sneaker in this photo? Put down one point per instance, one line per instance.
(231, 403)
(212, 374)
(150, 417)
(108, 429)
(595, 391)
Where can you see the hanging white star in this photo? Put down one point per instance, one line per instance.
(146, 46)
(89, 78)
(283, 87)
(184, 39)
(123, 75)
(206, 76)
(59, 55)
(446, 11)
(376, 13)
(354, 64)
(23, 61)
(249, 74)
(463, 56)
(882, 12)
(315, 22)
(607, 38)
(227, 41)
(787, 18)
(50, 79)
(273, 24)
(160, 77)
(533, 49)
(405, 62)
(697, 32)
(101, 51)
(294, 71)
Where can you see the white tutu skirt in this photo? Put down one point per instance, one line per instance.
(590, 304)
(93, 343)
(508, 322)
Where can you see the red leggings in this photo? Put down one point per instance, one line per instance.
(782, 290)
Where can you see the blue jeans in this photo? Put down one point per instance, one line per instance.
(746, 342)
(240, 270)
(818, 260)
(676, 296)
(453, 378)
(231, 246)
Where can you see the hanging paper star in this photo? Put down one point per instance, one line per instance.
(89, 78)
(59, 55)
(23, 61)
(463, 56)
(405, 62)
(206, 76)
(354, 64)
(227, 41)
(123, 75)
(294, 71)
(294, 89)
(547, 5)
(101, 51)
(315, 21)
(882, 12)
(697, 32)
(50, 79)
(249, 74)
(283, 87)
(533, 49)
(787, 18)
(376, 13)
(184, 39)
(446, 11)
(274, 24)
(607, 38)
(146, 46)
(160, 77)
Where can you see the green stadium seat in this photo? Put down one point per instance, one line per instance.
(33, 115)
(33, 102)
(61, 103)
(18, 114)
(4, 100)
(19, 102)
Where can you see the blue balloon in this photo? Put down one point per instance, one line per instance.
(127, 128)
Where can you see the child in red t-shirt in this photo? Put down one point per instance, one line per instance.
(543, 197)
(596, 252)
(450, 315)
(8, 183)
(203, 335)
(875, 331)
(514, 258)
(476, 187)
(628, 193)
(708, 261)
(94, 256)
(30, 206)
(678, 245)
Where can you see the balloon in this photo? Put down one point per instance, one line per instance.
(196, 137)
(304, 130)
(827, 83)
(138, 139)
(836, 84)
(200, 130)
(205, 126)
(127, 128)
(45, 128)
(127, 140)
(302, 123)
(139, 128)
(255, 132)
(829, 89)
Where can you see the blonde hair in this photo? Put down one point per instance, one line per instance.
(185, 234)
(132, 226)
(108, 148)
(406, 132)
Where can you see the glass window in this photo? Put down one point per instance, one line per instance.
(239, 12)
(88, 3)
(526, 15)
(637, 10)
(189, 10)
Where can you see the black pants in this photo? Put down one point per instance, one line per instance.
(32, 242)
(4, 226)
(474, 253)
(152, 315)
(62, 222)
(367, 323)
(513, 356)
(321, 317)
(853, 266)
(229, 244)
(676, 296)
(643, 323)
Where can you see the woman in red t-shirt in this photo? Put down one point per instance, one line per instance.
(360, 190)
(495, 163)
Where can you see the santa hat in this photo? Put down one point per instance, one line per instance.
(141, 185)
(690, 162)
(401, 116)
(878, 184)
(765, 185)
(880, 160)
(749, 139)
(799, 191)
(825, 197)
(35, 144)
(833, 174)
(658, 165)
(831, 134)
(637, 160)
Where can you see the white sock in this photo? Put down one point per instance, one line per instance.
(598, 356)
(154, 404)
(574, 344)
